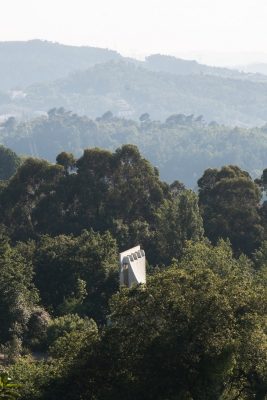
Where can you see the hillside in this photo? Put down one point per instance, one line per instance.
(181, 147)
(178, 66)
(129, 90)
(25, 63)
(36, 76)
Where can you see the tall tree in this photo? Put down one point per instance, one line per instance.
(18, 296)
(9, 163)
(33, 181)
(229, 201)
(178, 220)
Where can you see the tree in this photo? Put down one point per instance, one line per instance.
(9, 162)
(67, 161)
(18, 296)
(144, 118)
(67, 335)
(178, 220)
(71, 339)
(33, 181)
(229, 201)
(92, 186)
(176, 119)
(117, 191)
(77, 274)
(107, 116)
(106, 191)
(136, 188)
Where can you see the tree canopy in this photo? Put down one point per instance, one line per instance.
(181, 146)
(230, 202)
(9, 162)
(195, 330)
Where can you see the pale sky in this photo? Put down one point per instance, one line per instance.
(213, 31)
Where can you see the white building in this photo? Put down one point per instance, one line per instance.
(132, 267)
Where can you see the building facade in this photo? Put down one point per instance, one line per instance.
(132, 267)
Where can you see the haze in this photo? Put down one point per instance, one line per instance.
(216, 32)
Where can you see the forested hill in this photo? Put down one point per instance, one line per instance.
(128, 90)
(36, 76)
(178, 66)
(181, 147)
(25, 63)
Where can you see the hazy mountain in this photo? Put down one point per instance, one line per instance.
(129, 90)
(25, 63)
(173, 65)
(90, 81)
(35, 61)
(257, 68)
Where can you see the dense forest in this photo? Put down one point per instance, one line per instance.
(182, 146)
(100, 153)
(36, 76)
(196, 330)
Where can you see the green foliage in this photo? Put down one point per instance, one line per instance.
(181, 147)
(9, 162)
(185, 334)
(120, 192)
(37, 329)
(178, 220)
(8, 389)
(33, 180)
(62, 326)
(18, 296)
(76, 274)
(196, 330)
(73, 340)
(32, 376)
(67, 161)
(230, 202)
(109, 191)
(69, 336)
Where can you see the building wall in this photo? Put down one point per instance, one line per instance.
(134, 261)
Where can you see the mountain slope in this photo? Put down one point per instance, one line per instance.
(25, 63)
(36, 76)
(177, 66)
(128, 90)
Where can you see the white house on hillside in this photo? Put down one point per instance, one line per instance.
(132, 267)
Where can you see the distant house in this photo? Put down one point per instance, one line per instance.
(132, 267)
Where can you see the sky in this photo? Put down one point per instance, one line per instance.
(217, 32)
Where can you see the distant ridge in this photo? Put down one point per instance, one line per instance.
(255, 68)
(25, 63)
(178, 66)
(37, 75)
